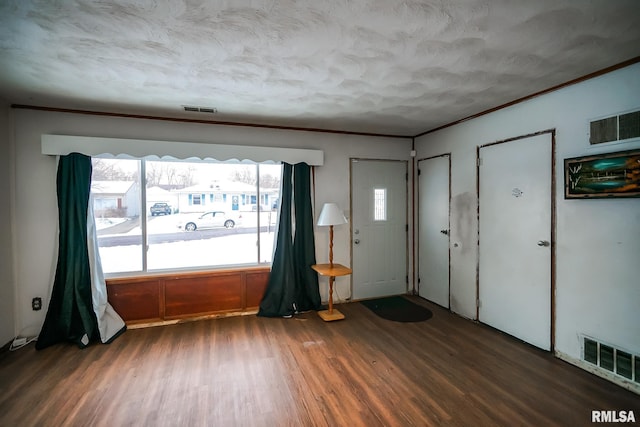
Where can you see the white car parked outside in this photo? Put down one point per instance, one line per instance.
(211, 219)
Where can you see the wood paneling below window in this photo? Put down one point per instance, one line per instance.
(256, 283)
(137, 300)
(184, 295)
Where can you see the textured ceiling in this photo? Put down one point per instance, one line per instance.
(380, 66)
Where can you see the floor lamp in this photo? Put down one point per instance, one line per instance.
(329, 216)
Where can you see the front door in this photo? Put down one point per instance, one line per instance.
(379, 228)
(433, 229)
(515, 238)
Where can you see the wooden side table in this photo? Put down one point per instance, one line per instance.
(331, 271)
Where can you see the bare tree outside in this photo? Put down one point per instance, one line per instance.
(171, 174)
(186, 176)
(108, 170)
(247, 174)
(268, 180)
(154, 174)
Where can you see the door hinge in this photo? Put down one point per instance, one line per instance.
(419, 171)
(406, 228)
(406, 176)
(477, 303)
(479, 161)
(419, 280)
(406, 279)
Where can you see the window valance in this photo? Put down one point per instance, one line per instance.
(141, 148)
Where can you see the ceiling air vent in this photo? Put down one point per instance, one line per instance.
(209, 110)
(615, 128)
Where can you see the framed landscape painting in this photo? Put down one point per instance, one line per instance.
(603, 175)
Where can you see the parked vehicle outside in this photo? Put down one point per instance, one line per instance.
(263, 208)
(211, 219)
(161, 209)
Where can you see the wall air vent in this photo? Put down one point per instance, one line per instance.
(194, 109)
(615, 128)
(612, 359)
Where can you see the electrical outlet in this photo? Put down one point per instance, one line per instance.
(36, 303)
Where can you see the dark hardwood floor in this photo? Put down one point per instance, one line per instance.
(250, 371)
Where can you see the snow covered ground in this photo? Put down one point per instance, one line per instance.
(102, 223)
(228, 250)
(235, 249)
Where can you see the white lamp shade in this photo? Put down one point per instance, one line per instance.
(331, 215)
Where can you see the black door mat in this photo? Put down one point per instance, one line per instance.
(398, 309)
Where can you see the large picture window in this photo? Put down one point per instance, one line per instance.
(163, 215)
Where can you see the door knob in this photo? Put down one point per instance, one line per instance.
(543, 243)
(445, 232)
(356, 241)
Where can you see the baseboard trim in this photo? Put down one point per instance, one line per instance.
(141, 325)
(609, 376)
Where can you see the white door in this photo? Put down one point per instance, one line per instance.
(515, 235)
(433, 229)
(379, 228)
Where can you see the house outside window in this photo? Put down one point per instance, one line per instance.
(197, 214)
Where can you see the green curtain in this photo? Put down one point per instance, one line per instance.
(292, 285)
(70, 316)
(279, 294)
(304, 248)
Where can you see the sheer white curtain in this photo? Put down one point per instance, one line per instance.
(110, 324)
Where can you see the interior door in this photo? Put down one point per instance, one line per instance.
(379, 228)
(433, 229)
(515, 238)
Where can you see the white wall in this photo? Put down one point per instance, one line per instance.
(7, 284)
(598, 241)
(36, 209)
